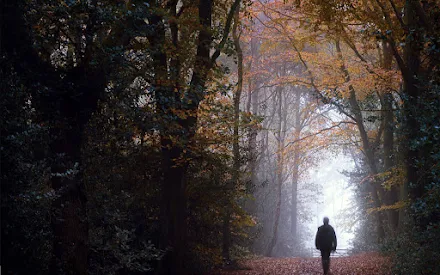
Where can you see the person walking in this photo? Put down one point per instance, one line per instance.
(325, 241)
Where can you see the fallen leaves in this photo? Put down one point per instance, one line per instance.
(361, 264)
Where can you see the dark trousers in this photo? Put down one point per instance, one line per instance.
(325, 258)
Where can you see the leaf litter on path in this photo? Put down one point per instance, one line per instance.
(361, 264)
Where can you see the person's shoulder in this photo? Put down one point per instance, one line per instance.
(326, 226)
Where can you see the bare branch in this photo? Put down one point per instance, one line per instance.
(226, 30)
(399, 17)
(306, 67)
(319, 132)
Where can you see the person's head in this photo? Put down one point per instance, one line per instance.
(325, 220)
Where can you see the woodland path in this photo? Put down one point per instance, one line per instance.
(361, 264)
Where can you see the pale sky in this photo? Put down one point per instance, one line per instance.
(336, 196)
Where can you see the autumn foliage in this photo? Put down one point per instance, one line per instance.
(178, 136)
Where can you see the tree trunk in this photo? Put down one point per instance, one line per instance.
(295, 166)
(252, 106)
(173, 208)
(69, 220)
(176, 143)
(392, 195)
(410, 89)
(280, 171)
(68, 110)
(368, 150)
(235, 143)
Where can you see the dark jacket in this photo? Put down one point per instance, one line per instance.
(326, 238)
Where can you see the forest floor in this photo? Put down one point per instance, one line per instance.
(361, 264)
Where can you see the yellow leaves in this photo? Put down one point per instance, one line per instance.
(214, 254)
(215, 122)
(396, 206)
(243, 220)
(286, 33)
(393, 177)
(268, 46)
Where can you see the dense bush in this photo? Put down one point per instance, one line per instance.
(25, 170)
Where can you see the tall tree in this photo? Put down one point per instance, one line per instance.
(236, 139)
(73, 93)
(172, 97)
(295, 166)
(280, 157)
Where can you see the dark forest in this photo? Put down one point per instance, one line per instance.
(205, 136)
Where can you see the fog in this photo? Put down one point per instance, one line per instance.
(336, 196)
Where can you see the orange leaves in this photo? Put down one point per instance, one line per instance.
(296, 34)
(362, 264)
(396, 206)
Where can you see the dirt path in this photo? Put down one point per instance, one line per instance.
(362, 264)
